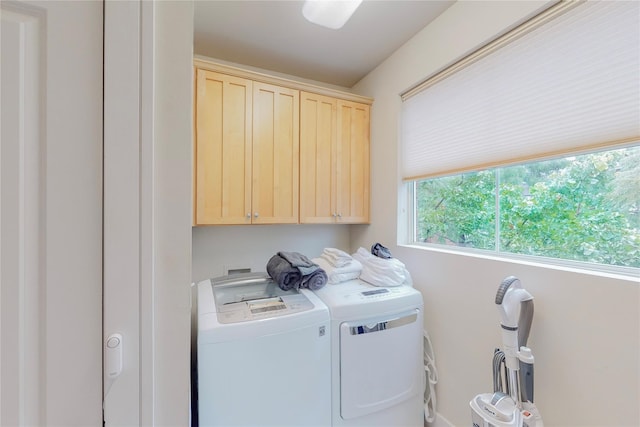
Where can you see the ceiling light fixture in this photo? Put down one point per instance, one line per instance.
(329, 13)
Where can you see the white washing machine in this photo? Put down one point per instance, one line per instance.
(377, 360)
(263, 354)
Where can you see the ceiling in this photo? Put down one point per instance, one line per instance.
(273, 35)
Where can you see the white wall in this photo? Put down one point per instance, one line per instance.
(586, 328)
(217, 247)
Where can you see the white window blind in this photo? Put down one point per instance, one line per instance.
(569, 84)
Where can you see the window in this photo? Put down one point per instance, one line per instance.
(531, 144)
(581, 208)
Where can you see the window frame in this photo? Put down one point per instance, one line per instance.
(410, 236)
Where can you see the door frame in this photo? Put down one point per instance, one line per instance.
(122, 221)
(148, 161)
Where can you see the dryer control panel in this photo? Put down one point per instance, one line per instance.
(378, 293)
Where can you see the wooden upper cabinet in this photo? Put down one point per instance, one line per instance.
(317, 158)
(334, 160)
(352, 162)
(266, 153)
(223, 134)
(246, 151)
(276, 112)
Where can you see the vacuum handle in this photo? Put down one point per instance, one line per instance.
(524, 322)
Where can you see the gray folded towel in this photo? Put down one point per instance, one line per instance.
(300, 261)
(293, 270)
(315, 280)
(286, 276)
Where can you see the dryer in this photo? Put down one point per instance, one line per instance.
(263, 354)
(376, 358)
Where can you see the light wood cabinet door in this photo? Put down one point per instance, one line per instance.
(276, 115)
(352, 162)
(223, 149)
(317, 158)
(334, 160)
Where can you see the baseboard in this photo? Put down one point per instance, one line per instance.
(440, 421)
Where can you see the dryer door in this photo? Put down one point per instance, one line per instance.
(380, 362)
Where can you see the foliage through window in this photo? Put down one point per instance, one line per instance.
(581, 208)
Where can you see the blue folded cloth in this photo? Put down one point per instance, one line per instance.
(293, 270)
(381, 251)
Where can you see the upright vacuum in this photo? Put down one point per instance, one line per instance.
(511, 403)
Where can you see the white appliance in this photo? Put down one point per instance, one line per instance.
(511, 403)
(263, 354)
(376, 357)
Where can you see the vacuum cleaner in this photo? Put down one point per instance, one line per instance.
(511, 403)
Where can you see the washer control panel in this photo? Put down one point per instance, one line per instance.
(263, 308)
(255, 298)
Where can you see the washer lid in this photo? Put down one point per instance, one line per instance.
(248, 297)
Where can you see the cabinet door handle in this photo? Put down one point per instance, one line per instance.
(339, 215)
(249, 215)
(255, 214)
(334, 215)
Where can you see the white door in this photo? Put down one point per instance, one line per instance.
(51, 213)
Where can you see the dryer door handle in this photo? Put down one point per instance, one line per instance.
(384, 325)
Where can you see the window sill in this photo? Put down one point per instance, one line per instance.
(630, 274)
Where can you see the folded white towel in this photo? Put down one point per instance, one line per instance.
(336, 257)
(382, 272)
(338, 275)
(336, 252)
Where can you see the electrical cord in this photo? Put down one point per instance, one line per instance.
(430, 380)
